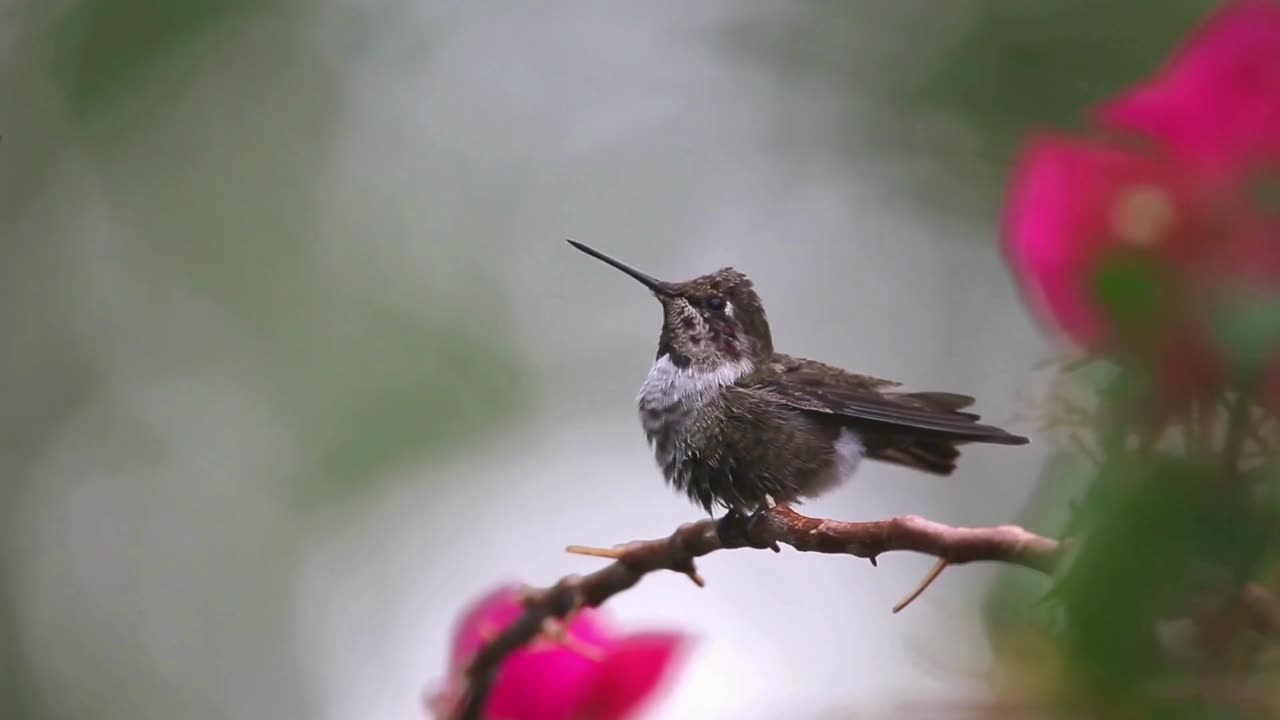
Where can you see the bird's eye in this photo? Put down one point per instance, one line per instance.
(715, 303)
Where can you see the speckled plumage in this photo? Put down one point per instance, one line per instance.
(734, 423)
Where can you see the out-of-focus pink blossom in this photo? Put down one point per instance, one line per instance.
(1073, 204)
(1178, 190)
(1216, 101)
(594, 673)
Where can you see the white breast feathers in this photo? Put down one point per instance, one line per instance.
(669, 387)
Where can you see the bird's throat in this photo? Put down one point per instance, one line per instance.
(669, 385)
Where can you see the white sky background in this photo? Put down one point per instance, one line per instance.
(481, 138)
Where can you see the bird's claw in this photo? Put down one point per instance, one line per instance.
(758, 516)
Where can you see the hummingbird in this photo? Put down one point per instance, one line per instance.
(735, 424)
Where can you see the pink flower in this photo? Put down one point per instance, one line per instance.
(1177, 193)
(595, 673)
(1075, 203)
(1216, 102)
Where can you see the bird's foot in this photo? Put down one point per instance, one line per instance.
(769, 504)
(757, 517)
(732, 527)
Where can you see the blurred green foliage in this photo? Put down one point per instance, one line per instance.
(1141, 546)
(245, 217)
(1019, 597)
(1019, 65)
(1248, 329)
(178, 214)
(1132, 292)
(409, 391)
(954, 87)
(1157, 540)
(1265, 194)
(100, 50)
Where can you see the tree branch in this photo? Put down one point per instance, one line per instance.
(631, 562)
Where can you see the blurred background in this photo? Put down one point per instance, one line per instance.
(295, 360)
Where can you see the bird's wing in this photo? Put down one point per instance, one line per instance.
(812, 372)
(837, 393)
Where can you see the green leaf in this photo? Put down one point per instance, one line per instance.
(1247, 327)
(1135, 293)
(1265, 191)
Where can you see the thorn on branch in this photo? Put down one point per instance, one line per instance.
(934, 572)
(691, 572)
(610, 553)
(554, 628)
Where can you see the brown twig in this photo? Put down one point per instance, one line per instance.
(781, 524)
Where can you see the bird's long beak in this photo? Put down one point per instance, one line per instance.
(657, 286)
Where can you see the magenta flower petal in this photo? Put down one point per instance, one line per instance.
(1216, 102)
(546, 681)
(590, 674)
(633, 672)
(1071, 200)
(1193, 194)
(485, 615)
